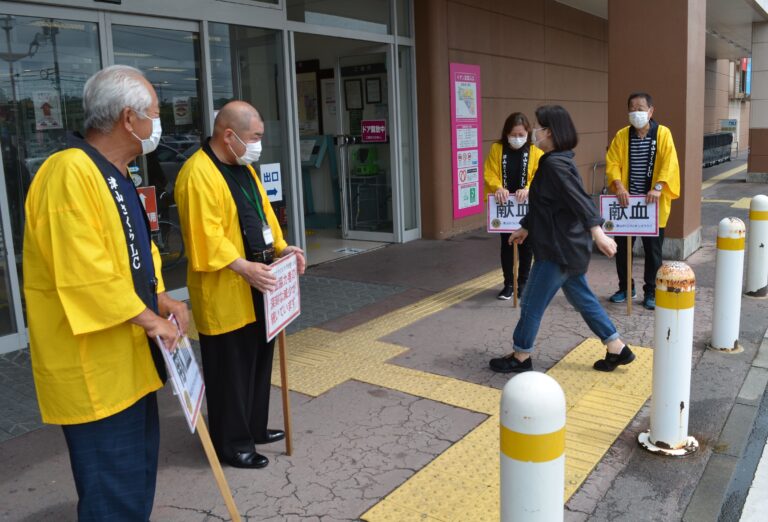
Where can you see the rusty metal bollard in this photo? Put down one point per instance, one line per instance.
(673, 347)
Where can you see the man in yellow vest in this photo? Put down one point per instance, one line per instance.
(642, 161)
(232, 235)
(94, 295)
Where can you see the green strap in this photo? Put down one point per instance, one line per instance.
(253, 198)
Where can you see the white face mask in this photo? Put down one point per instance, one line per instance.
(252, 151)
(516, 142)
(638, 119)
(533, 136)
(150, 144)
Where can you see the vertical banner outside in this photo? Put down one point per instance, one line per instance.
(466, 140)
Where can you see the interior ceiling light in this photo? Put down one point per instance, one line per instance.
(167, 69)
(132, 54)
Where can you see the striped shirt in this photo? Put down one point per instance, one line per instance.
(639, 182)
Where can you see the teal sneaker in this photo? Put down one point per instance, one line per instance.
(621, 296)
(649, 303)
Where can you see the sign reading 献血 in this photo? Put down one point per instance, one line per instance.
(505, 217)
(283, 304)
(637, 219)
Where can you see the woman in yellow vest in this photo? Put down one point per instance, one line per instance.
(508, 172)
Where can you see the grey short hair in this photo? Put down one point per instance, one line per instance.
(109, 91)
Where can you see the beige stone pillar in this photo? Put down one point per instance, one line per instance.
(657, 46)
(757, 168)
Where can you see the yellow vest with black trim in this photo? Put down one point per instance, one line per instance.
(666, 168)
(88, 361)
(221, 299)
(492, 167)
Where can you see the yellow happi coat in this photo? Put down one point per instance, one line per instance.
(88, 361)
(221, 299)
(665, 169)
(492, 167)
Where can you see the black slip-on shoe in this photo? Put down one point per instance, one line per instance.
(509, 364)
(612, 360)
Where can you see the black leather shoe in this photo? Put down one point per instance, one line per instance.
(249, 460)
(272, 436)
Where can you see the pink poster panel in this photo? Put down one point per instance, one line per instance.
(466, 140)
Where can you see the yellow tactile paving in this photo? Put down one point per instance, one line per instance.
(463, 482)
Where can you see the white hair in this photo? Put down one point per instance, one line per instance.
(109, 91)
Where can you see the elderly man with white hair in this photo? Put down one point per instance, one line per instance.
(95, 295)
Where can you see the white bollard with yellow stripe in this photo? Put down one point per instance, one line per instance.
(757, 248)
(673, 347)
(729, 275)
(532, 449)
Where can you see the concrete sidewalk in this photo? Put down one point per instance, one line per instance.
(391, 394)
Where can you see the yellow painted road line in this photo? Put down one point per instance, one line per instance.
(734, 203)
(720, 177)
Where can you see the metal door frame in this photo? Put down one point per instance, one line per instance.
(347, 233)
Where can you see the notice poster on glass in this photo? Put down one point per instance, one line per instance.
(636, 219)
(47, 110)
(306, 92)
(182, 110)
(466, 139)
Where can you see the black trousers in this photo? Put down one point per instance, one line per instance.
(114, 463)
(652, 247)
(237, 367)
(525, 256)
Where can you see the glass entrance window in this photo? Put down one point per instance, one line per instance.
(44, 63)
(372, 16)
(366, 166)
(170, 59)
(246, 64)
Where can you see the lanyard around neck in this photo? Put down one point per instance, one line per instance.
(253, 197)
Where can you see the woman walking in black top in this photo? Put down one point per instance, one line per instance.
(562, 222)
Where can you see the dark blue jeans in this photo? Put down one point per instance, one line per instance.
(545, 280)
(114, 463)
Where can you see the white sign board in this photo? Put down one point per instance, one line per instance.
(637, 219)
(272, 181)
(283, 304)
(505, 217)
(185, 376)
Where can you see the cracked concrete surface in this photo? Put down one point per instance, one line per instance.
(352, 446)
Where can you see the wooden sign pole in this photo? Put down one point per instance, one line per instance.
(286, 398)
(218, 473)
(515, 268)
(629, 275)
